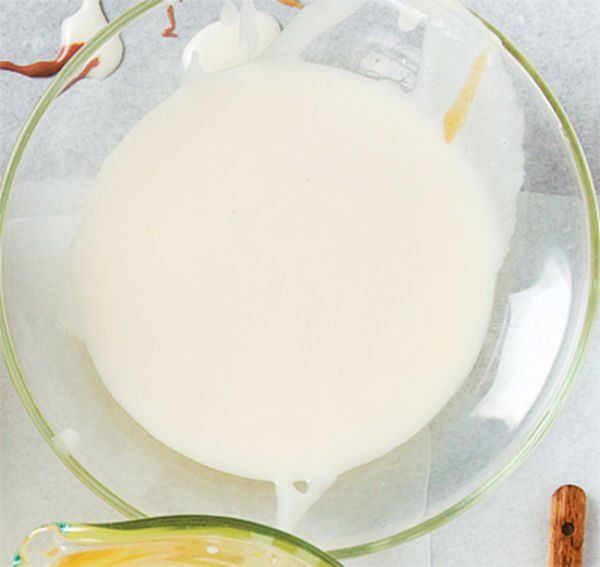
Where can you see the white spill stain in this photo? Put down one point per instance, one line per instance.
(66, 441)
(281, 98)
(84, 24)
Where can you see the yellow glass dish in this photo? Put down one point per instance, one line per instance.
(167, 542)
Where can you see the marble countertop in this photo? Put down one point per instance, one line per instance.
(510, 526)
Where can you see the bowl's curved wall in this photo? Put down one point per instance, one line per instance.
(545, 303)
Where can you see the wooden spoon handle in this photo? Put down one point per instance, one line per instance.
(567, 526)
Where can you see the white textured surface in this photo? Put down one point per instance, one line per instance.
(560, 37)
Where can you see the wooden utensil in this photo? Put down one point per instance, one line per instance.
(567, 527)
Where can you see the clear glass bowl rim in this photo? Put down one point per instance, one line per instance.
(570, 366)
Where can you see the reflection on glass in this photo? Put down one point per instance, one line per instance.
(536, 325)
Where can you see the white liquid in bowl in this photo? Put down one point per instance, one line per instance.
(284, 271)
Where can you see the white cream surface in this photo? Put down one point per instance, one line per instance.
(284, 271)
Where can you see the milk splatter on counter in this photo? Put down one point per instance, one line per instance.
(75, 31)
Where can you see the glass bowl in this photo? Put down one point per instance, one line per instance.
(543, 310)
(172, 540)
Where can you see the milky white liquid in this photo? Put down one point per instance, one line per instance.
(84, 24)
(285, 271)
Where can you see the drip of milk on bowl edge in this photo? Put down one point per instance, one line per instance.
(310, 353)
